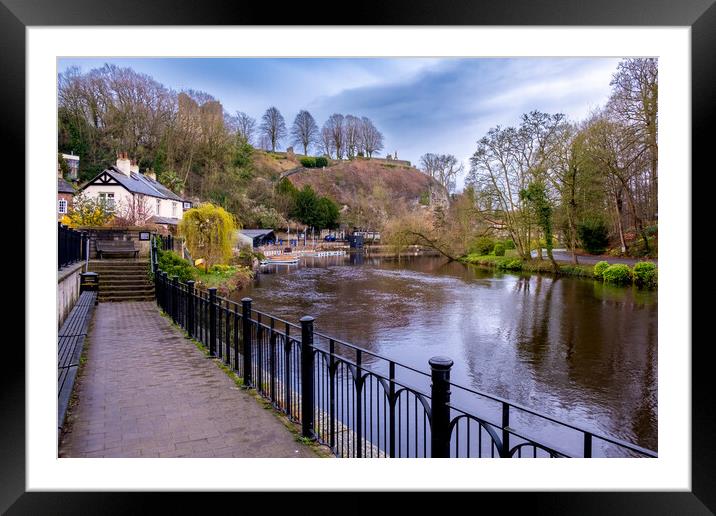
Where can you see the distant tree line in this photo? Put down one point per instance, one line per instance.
(192, 144)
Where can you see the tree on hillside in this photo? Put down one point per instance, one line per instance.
(326, 141)
(444, 168)
(334, 130)
(273, 127)
(304, 131)
(351, 135)
(371, 139)
(245, 127)
(314, 211)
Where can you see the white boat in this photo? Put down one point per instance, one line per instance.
(280, 260)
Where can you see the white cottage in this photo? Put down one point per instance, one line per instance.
(122, 185)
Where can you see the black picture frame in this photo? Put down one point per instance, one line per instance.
(144, 235)
(700, 15)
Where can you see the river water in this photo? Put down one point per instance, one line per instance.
(571, 348)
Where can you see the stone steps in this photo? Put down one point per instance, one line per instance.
(123, 280)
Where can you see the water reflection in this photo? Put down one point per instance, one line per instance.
(569, 347)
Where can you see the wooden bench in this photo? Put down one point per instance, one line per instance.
(71, 339)
(116, 247)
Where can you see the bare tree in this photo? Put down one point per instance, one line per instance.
(444, 168)
(371, 139)
(326, 141)
(273, 126)
(245, 126)
(334, 127)
(633, 103)
(132, 211)
(351, 135)
(304, 131)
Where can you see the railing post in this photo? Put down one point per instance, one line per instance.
(212, 321)
(439, 409)
(587, 445)
(246, 334)
(190, 308)
(175, 299)
(307, 377)
(272, 363)
(505, 430)
(391, 397)
(165, 290)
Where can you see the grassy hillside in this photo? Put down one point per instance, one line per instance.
(358, 182)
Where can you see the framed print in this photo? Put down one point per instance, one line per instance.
(441, 102)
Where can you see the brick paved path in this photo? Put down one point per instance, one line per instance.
(146, 391)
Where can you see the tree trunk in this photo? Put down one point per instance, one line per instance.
(618, 206)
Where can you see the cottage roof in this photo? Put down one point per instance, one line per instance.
(155, 219)
(64, 187)
(136, 183)
(253, 233)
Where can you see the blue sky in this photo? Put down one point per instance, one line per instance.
(420, 104)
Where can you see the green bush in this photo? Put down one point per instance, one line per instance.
(509, 244)
(510, 265)
(499, 249)
(175, 265)
(645, 274)
(321, 162)
(599, 269)
(482, 245)
(308, 162)
(618, 274)
(594, 236)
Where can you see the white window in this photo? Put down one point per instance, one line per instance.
(62, 206)
(174, 209)
(159, 205)
(106, 199)
(187, 205)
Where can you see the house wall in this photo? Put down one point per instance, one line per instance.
(67, 197)
(121, 193)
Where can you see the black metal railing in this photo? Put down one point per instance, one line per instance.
(362, 404)
(165, 242)
(71, 246)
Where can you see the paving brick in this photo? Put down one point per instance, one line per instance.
(146, 391)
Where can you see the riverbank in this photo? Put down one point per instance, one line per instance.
(514, 263)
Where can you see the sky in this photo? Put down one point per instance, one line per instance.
(420, 105)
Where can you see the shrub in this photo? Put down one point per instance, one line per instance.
(599, 269)
(509, 244)
(618, 274)
(175, 265)
(645, 274)
(499, 249)
(510, 265)
(321, 162)
(594, 236)
(308, 162)
(482, 245)
(223, 270)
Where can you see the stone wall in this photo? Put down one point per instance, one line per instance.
(113, 233)
(68, 290)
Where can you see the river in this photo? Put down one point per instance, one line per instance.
(572, 348)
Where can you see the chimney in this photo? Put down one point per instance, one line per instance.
(133, 167)
(123, 163)
(150, 174)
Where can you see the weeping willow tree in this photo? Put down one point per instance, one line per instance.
(208, 232)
